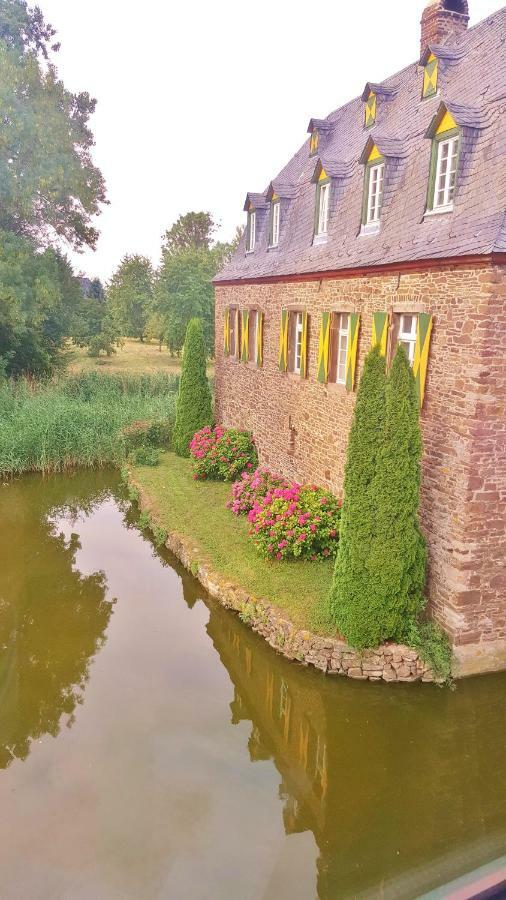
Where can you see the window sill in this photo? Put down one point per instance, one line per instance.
(249, 252)
(336, 387)
(273, 247)
(370, 229)
(319, 239)
(438, 211)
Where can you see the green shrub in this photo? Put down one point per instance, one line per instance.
(145, 456)
(222, 455)
(433, 646)
(351, 589)
(194, 407)
(296, 522)
(148, 434)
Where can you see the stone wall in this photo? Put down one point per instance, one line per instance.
(301, 426)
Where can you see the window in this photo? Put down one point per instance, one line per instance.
(370, 110)
(313, 142)
(430, 75)
(235, 341)
(407, 334)
(297, 343)
(274, 230)
(338, 349)
(446, 172)
(251, 231)
(322, 208)
(253, 335)
(375, 193)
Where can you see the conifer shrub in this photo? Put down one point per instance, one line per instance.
(398, 554)
(296, 522)
(221, 455)
(194, 406)
(352, 588)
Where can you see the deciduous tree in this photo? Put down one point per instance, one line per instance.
(130, 295)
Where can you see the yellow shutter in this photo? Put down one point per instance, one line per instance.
(245, 336)
(380, 323)
(260, 338)
(421, 360)
(351, 356)
(323, 349)
(283, 342)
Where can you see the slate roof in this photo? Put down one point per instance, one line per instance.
(473, 83)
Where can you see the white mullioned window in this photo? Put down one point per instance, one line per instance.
(375, 194)
(297, 363)
(275, 223)
(322, 217)
(343, 336)
(446, 172)
(251, 236)
(407, 334)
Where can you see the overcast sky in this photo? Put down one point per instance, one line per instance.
(200, 102)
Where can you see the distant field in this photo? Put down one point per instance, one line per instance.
(133, 357)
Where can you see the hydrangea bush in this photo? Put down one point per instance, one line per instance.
(222, 455)
(296, 522)
(253, 486)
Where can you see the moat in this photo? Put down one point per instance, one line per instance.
(152, 746)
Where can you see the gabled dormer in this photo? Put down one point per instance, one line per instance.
(378, 155)
(433, 60)
(255, 207)
(278, 196)
(372, 95)
(326, 177)
(450, 127)
(317, 129)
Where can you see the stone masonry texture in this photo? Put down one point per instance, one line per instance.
(301, 426)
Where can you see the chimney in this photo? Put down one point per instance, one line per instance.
(442, 20)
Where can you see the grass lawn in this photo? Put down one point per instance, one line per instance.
(196, 509)
(133, 357)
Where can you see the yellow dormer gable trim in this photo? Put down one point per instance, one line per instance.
(251, 207)
(370, 109)
(323, 175)
(313, 141)
(274, 198)
(430, 76)
(447, 123)
(374, 154)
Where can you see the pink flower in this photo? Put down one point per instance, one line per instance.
(279, 556)
(312, 528)
(302, 537)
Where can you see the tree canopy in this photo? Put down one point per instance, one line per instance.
(130, 295)
(192, 231)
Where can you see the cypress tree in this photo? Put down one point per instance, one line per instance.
(398, 555)
(194, 405)
(351, 590)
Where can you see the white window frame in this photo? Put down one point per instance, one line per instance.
(251, 232)
(446, 174)
(276, 209)
(343, 338)
(322, 218)
(375, 194)
(297, 349)
(408, 338)
(254, 333)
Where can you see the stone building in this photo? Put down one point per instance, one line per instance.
(389, 225)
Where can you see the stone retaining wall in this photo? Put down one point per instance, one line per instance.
(390, 662)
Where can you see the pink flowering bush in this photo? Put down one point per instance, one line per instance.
(222, 455)
(296, 522)
(253, 486)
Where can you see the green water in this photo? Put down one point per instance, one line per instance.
(152, 747)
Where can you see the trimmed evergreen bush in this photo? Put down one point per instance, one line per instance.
(398, 553)
(194, 406)
(352, 589)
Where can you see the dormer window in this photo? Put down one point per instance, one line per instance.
(322, 205)
(313, 142)
(370, 110)
(274, 221)
(444, 164)
(375, 193)
(430, 77)
(251, 231)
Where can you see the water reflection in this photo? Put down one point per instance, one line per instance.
(200, 764)
(48, 635)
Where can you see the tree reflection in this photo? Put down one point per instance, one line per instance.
(52, 618)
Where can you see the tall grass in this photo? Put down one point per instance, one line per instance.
(76, 420)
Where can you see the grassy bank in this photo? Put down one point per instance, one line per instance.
(134, 358)
(196, 510)
(77, 419)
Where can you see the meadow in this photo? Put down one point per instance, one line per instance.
(132, 357)
(77, 420)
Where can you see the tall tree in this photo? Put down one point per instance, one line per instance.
(184, 291)
(49, 185)
(130, 295)
(192, 231)
(350, 600)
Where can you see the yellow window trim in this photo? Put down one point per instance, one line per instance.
(447, 123)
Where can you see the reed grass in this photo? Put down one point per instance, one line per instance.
(76, 420)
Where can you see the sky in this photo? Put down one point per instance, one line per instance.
(198, 102)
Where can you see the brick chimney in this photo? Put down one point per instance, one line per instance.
(442, 20)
